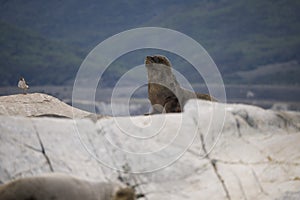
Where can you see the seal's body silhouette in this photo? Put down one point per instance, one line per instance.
(164, 91)
(62, 187)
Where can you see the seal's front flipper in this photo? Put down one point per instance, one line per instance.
(156, 109)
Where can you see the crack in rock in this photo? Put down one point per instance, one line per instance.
(32, 148)
(269, 162)
(24, 102)
(241, 186)
(51, 115)
(43, 149)
(238, 126)
(258, 183)
(213, 163)
(287, 122)
(245, 116)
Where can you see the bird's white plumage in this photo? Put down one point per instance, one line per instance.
(22, 84)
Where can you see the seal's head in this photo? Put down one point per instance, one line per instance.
(157, 59)
(125, 194)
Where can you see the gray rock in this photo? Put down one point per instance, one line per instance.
(37, 105)
(290, 196)
(211, 151)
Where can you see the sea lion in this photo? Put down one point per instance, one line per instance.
(63, 187)
(164, 91)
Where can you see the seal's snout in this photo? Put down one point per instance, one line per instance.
(157, 59)
(153, 59)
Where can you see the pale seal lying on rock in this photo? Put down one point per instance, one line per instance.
(63, 187)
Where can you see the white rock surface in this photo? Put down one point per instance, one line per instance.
(255, 156)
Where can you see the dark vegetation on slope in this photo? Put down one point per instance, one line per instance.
(46, 41)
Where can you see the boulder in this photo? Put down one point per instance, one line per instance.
(210, 151)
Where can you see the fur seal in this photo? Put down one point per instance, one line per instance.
(63, 187)
(164, 91)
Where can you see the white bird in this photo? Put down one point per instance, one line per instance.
(22, 84)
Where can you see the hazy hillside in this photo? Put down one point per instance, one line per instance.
(80, 22)
(41, 60)
(239, 35)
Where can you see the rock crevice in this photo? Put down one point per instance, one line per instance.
(43, 151)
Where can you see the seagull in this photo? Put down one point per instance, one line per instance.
(22, 84)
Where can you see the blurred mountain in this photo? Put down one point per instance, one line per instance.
(240, 36)
(40, 60)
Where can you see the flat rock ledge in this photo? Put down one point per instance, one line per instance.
(256, 155)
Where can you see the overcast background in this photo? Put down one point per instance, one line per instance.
(254, 43)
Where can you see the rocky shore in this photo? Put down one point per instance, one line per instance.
(245, 153)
